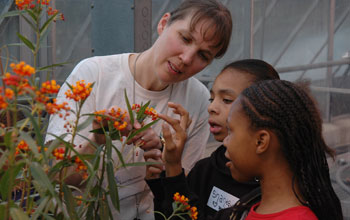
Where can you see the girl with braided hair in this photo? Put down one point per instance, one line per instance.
(275, 135)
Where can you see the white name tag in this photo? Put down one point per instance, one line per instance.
(220, 199)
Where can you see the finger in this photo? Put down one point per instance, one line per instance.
(168, 137)
(185, 120)
(137, 125)
(175, 123)
(155, 154)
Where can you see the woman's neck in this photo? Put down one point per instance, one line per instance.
(144, 73)
(277, 191)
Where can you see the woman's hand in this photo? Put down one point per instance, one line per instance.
(153, 171)
(147, 140)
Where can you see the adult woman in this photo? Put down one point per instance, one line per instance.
(189, 39)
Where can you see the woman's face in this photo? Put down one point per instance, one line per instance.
(226, 88)
(240, 144)
(180, 53)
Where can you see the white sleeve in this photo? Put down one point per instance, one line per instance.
(86, 70)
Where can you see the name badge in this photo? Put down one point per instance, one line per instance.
(220, 199)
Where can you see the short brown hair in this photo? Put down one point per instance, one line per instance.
(212, 10)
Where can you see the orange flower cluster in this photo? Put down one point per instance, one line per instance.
(78, 200)
(58, 153)
(39, 149)
(3, 102)
(80, 91)
(51, 11)
(22, 69)
(183, 201)
(4, 99)
(28, 4)
(49, 87)
(194, 212)
(53, 108)
(148, 111)
(117, 116)
(24, 4)
(18, 81)
(81, 167)
(22, 146)
(43, 2)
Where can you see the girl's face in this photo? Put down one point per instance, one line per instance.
(226, 88)
(241, 145)
(180, 53)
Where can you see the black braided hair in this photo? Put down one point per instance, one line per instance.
(289, 111)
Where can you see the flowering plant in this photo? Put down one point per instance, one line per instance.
(181, 208)
(34, 175)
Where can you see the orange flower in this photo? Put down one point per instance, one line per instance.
(9, 93)
(22, 146)
(79, 200)
(23, 4)
(79, 91)
(22, 69)
(3, 103)
(58, 153)
(194, 212)
(151, 112)
(49, 87)
(53, 108)
(43, 2)
(181, 199)
(116, 116)
(51, 11)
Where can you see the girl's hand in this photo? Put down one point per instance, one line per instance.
(174, 143)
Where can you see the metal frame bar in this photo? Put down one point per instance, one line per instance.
(5, 9)
(329, 78)
(142, 25)
(295, 31)
(337, 26)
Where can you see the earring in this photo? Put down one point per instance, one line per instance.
(256, 179)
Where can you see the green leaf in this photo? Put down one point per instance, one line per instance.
(3, 158)
(70, 202)
(109, 147)
(32, 14)
(141, 129)
(2, 211)
(120, 156)
(86, 123)
(11, 14)
(53, 65)
(8, 179)
(29, 22)
(103, 209)
(42, 204)
(38, 135)
(39, 175)
(113, 188)
(18, 214)
(140, 114)
(27, 42)
(131, 115)
(31, 143)
(141, 164)
(46, 24)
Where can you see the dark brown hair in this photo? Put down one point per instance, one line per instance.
(258, 69)
(213, 11)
